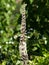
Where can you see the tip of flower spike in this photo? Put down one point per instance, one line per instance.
(22, 9)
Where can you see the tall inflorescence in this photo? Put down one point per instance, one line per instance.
(22, 45)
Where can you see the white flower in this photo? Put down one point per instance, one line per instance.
(18, 62)
(37, 6)
(44, 38)
(15, 36)
(45, 41)
(31, 28)
(28, 36)
(12, 43)
(7, 42)
(1, 31)
(8, 5)
(0, 47)
(9, 12)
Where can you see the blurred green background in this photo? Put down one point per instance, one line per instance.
(37, 32)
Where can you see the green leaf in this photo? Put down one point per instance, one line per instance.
(31, 1)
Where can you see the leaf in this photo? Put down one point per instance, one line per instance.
(31, 1)
(4, 63)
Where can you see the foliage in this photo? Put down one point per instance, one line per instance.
(37, 33)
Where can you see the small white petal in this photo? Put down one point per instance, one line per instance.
(37, 6)
(45, 41)
(1, 31)
(0, 47)
(44, 38)
(28, 36)
(15, 36)
(12, 42)
(31, 28)
(18, 62)
(8, 5)
(7, 43)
